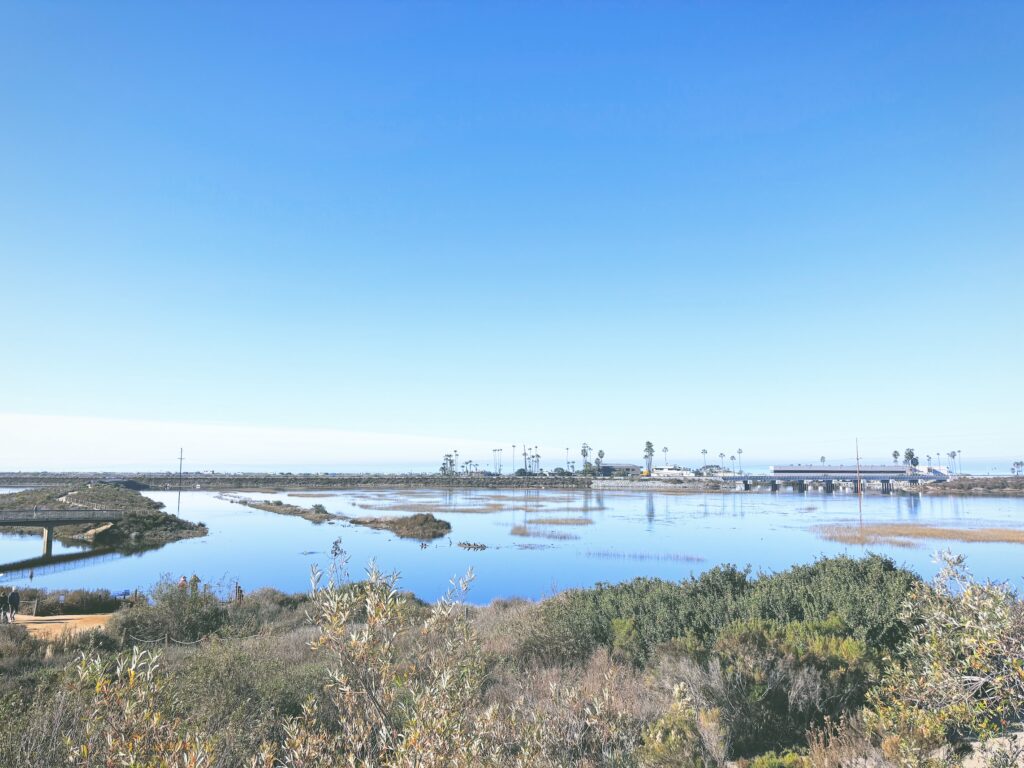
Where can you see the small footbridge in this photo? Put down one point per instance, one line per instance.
(48, 519)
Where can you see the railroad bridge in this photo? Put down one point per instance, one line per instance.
(829, 477)
(48, 519)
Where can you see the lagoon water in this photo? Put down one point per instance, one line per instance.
(631, 534)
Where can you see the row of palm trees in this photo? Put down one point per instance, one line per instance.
(733, 459)
(910, 459)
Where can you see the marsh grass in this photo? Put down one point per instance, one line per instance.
(525, 530)
(561, 521)
(909, 534)
(613, 555)
(431, 507)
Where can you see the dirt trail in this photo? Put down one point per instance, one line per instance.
(49, 627)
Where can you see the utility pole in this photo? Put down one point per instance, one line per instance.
(860, 488)
(513, 458)
(181, 461)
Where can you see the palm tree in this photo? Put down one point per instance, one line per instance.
(733, 460)
(721, 460)
(665, 451)
(823, 461)
(648, 455)
(585, 453)
(704, 453)
(895, 457)
(739, 452)
(599, 461)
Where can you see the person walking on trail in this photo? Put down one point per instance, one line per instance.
(13, 604)
(3, 607)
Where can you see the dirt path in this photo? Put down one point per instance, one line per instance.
(48, 627)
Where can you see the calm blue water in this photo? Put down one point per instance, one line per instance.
(631, 534)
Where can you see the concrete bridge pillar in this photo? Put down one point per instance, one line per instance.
(801, 486)
(47, 540)
(746, 485)
(829, 488)
(886, 486)
(775, 486)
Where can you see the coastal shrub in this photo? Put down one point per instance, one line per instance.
(766, 683)
(574, 624)
(243, 691)
(71, 601)
(421, 707)
(781, 760)
(34, 727)
(867, 594)
(960, 674)
(844, 743)
(182, 614)
(123, 722)
(264, 610)
(683, 737)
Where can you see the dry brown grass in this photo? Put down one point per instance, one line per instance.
(908, 534)
(561, 521)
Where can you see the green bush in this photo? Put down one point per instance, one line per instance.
(775, 681)
(783, 760)
(865, 595)
(180, 614)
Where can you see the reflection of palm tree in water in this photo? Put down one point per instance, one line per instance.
(650, 507)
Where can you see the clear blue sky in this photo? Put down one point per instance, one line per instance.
(499, 222)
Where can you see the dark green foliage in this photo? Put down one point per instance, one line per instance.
(243, 690)
(773, 681)
(181, 614)
(865, 595)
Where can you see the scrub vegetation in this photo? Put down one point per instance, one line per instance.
(315, 514)
(419, 526)
(842, 662)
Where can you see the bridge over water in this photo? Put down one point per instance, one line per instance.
(827, 481)
(48, 519)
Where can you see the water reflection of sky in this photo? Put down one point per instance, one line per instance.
(632, 534)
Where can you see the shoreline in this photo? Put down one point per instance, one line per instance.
(964, 486)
